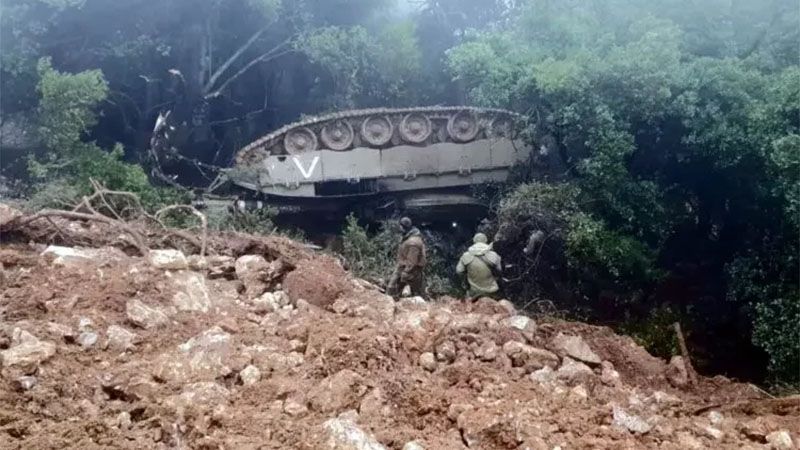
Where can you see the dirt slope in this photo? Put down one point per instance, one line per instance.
(275, 347)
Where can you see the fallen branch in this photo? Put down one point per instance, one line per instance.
(193, 210)
(685, 352)
(137, 239)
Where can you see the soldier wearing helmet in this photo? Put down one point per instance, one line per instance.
(410, 262)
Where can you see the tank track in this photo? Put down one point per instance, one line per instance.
(381, 128)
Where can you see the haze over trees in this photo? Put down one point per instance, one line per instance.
(672, 130)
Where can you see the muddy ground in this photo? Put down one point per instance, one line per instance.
(268, 345)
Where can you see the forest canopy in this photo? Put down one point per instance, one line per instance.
(673, 129)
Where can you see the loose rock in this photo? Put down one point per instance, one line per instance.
(87, 339)
(344, 434)
(120, 339)
(780, 440)
(168, 259)
(27, 351)
(677, 374)
(575, 347)
(630, 422)
(144, 316)
(191, 293)
(572, 371)
(26, 383)
(250, 375)
(337, 392)
(427, 361)
(413, 445)
(250, 270)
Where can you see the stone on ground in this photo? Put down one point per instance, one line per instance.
(630, 422)
(344, 434)
(168, 259)
(191, 293)
(26, 350)
(144, 316)
(576, 348)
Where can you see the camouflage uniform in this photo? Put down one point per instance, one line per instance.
(410, 265)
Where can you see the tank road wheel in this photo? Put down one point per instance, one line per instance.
(377, 130)
(415, 128)
(499, 127)
(300, 140)
(337, 135)
(463, 126)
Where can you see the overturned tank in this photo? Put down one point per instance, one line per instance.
(422, 161)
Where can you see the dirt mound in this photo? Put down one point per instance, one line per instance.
(100, 350)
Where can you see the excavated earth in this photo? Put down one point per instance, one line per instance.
(273, 346)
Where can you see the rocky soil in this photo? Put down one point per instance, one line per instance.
(272, 346)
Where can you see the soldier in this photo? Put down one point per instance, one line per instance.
(482, 267)
(410, 262)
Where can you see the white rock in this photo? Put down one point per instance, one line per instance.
(780, 440)
(120, 339)
(662, 398)
(294, 408)
(204, 395)
(630, 422)
(144, 316)
(250, 375)
(8, 213)
(508, 307)
(579, 391)
(427, 361)
(267, 303)
(575, 347)
(519, 322)
(26, 383)
(413, 445)
(344, 434)
(26, 350)
(87, 339)
(68, 255)
(168, 259)
(191, 293)
(573, 371)
(85, 323)
(715, 417)
(677, 374)
(608, 375)
(713, 432)
(545, 375)
(204, 357)
(410, 320)
(250, 270)
(124, 420)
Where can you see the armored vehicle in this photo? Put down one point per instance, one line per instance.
(420, 160)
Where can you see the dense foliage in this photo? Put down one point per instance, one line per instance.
(670, 132)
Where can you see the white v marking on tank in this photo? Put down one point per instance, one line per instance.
(302, 169)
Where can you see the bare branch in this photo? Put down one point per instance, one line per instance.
(218, 73)
(275, 52)
(193, 210)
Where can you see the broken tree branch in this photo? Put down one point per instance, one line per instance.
(685, 352)
(218, 73)
(193, 210)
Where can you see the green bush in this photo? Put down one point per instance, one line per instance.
(258, 221)
(776, 329)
